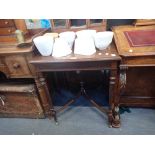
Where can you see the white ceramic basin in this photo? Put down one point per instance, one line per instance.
(103, 39)
(54, 35)
(44, 44)
(61, 48)
(84, 46)
(86, 33)
(69, 37)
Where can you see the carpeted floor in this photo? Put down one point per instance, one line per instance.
(82, 121)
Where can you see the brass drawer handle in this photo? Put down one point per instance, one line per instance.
(2, 98)
(16, 65)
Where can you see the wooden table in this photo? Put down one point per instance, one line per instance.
(137, 69)
(107, 59)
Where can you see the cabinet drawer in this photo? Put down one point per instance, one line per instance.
(7, 31)
(10, 38)
(19, 101)
(17, 66)
(6, 23)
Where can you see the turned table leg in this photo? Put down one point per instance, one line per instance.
(113, 115)
(45, 96)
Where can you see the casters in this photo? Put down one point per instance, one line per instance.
(54, 116)
(56, 123)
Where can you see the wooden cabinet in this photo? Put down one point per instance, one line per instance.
(137, 68)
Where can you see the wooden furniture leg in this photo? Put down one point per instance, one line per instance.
(113, 115)
(45, 96)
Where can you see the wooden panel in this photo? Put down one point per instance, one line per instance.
(139, 90)
(20, 105)
(137, 101)
(7, 31)
(20, 24)
(144, 22)
(6, 23)
(17, 66)
(10, 38)
(1, 62)
(139, 61)
(72, 66)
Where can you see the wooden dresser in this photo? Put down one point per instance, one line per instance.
(14, 64)
(8, 27)
(137, 68)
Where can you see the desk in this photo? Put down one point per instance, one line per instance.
(137, 68)
(108, 59)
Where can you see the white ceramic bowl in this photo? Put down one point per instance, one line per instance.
(69, 37)
(54, 35)
(61, 48)
(103, 39)
(44, 44)
(84, 46)
(86, 33)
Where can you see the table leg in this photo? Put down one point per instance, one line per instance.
(113, 115)
(45, 96)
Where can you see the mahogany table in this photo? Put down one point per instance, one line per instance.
(107, 60)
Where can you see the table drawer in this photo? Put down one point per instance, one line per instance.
(17, 66)
(6, 23)
(7, 31)
(18, 100)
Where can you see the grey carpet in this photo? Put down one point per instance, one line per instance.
(82, 121)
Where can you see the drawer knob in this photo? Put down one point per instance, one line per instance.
(9, 30)
(16, 66)
(6, 22)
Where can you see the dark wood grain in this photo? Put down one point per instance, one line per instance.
(139, 68)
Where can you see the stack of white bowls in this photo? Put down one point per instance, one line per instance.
(69, 37)
(63, 45)
(61, 48)
(49, 44)
(84, 43)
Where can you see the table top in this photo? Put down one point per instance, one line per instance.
(123, 45)
(13, 49)
(109, 54)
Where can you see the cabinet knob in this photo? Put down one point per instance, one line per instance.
(16, 65)
(9, 30)
(6, 22)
